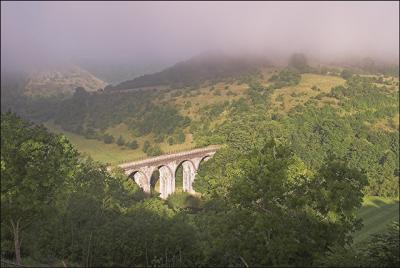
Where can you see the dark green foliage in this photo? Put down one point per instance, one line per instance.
(107, 138)
(261, 204)
(35, 167)
(152, 150)
(381, 250)
(346, 74)
(183, 201)
(315, 88)
(78, 212)
(100, 110)
(299, 62)
(161, 120)
(286, 203)
(171, 141)
(318, 133)
(287, 77)
(133, 145)
(194, 72)
(146, 146)
(267, 192)
(120, 141)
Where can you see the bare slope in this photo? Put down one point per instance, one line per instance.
(61, 81)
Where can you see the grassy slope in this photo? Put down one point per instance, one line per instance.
(112, 153)
(290, 97)
(294, 95)
(377, 213)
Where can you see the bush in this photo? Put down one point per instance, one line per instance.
(299, 62)
(146, 146)
(287, 77)
(171, 141)
(154, 150)
(133, 145)
(120, 141)
(315, 88)
(107, 138)
(346, 74)
(183, 200)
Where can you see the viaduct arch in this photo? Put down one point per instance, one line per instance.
(167, 166)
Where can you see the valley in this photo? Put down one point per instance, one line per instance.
(200, 134)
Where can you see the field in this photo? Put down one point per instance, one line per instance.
(112, 153)
(377, 213)
(202, 96)
(287, 98)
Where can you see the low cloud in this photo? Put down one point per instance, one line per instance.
(121, 32)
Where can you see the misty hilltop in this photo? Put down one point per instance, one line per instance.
(210, 65)
(61, 80)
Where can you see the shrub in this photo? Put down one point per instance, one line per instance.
(183, 200)
(107, 138)
(133, 145)
(120, 141)
(346, 74)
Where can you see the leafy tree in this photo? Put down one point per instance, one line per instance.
(287, 77)
(34, 168)
(146, 146)
(383, 248)
(154, 150)
(380, 250)
(346, 74)
(107, 138)
(120, 141)
(269, 192)
(133, 145)
(298, 61)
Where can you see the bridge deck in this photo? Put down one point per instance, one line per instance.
(170, 157)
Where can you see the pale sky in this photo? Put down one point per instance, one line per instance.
(36, 32)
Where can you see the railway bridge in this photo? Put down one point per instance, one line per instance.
(167, 165)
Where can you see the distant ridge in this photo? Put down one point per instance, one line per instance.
(206, 66)
(61, 80)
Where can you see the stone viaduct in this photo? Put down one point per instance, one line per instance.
(167, 165)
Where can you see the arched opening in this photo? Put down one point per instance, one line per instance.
(184, 176)
(179, 178)
(140, 179)
(155, 181)
(202, 160)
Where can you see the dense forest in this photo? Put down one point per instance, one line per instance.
(319, 133)
(260, 206)
(283, 191)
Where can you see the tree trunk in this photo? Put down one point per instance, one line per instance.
(17, 245)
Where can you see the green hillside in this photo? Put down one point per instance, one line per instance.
(112, 153)
(377, 213)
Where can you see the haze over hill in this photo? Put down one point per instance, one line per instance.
(62, 80)
(294, 107)
(35, 33)
(53, 80)
(213, 65)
